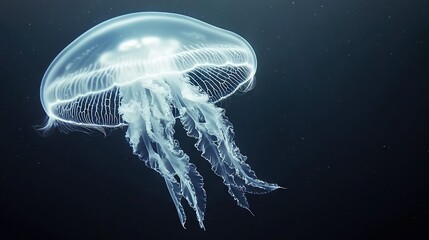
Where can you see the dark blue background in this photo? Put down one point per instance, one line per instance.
(339, 116)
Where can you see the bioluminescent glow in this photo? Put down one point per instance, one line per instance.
(143, 71)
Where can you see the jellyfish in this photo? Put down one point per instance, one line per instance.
(142, 72)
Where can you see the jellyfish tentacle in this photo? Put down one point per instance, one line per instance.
(142, 147)
(191, 182)
(230, 153)
(163, 166)
(214, 133)
(236, 160)
(207, 146)
(174, 189)
(151, 138)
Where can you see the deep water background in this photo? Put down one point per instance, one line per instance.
(339, 116)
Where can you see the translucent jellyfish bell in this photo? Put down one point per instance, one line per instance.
(147, 45)
(145, 70)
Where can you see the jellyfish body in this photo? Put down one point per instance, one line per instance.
(143, 71)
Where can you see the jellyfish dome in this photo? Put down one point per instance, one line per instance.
(142, 72)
